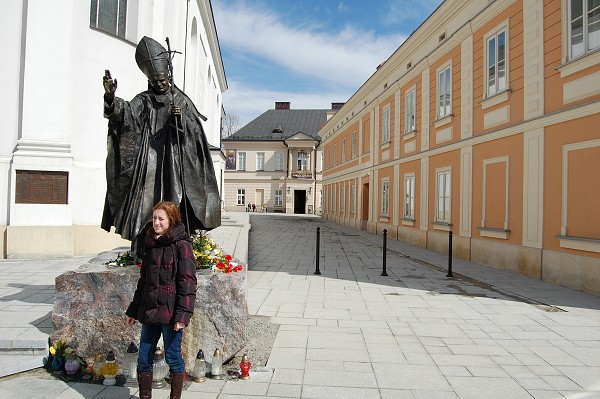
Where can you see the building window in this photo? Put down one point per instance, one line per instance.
(385, 198)
(278, 197)
(354, 144)
(326, 160)
(241, 196)
(343, 198)
(409, 197)
(343, 150)
(385, 134)
(443, 196)
(260, 161)
(302, 160)
(353, 198)
(322, 162)
(496, 72)
(321, 198)
(241, 161)
(445, 92)
(584, 26)
(334, 154)
(109, 16)
(411, 123)
(278, 161)
(333, 199)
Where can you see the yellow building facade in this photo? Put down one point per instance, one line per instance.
(486, 123)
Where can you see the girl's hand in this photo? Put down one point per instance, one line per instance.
(130, 321)
(179, 326)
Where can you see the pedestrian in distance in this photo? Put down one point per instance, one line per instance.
(165, 296)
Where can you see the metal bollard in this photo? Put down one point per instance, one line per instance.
(449, 254)
(384, 272)
(317, 271)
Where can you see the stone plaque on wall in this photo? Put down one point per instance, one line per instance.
(41, 187)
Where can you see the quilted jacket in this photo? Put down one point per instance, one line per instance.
(166, 290)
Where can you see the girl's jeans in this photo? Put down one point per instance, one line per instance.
(172, 341)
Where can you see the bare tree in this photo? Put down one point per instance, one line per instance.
(230, 124)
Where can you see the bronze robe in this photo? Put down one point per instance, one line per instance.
(144, 164)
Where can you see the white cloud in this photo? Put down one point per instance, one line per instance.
(346, 57)
(341, 61)
(247, 102)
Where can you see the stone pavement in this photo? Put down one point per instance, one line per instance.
(352, 333)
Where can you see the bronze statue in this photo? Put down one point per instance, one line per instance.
(157, 150)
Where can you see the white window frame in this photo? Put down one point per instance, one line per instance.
(444, 91)
(409, 196)
(279, 163)
(322, 162)
(443, 195)
(241, 164)
(260, 161)
(385, 197)
(386, 124)
(241, 196)
(302, 160)
(497, 87)
(585, 45)
(333, 197)
(335, 155)
(410, 110)
(279, 197)
(354, 144)
(343, 150)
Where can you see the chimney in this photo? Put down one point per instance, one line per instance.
(282, 105)
(337, 106)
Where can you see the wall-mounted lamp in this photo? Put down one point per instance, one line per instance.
(309, 190)
(288, 190)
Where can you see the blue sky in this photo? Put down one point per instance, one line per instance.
(308, 52)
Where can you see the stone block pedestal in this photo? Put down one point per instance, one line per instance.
(90, 304)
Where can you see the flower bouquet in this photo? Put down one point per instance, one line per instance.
(209, 255)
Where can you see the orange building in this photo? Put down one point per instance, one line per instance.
(485, 122)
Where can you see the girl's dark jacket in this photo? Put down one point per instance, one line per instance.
(166, 290)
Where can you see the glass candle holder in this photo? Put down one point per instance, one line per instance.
(97, 367)
(216, 369)
(200, 367)
(130, 363)
(160, 370)
(109, 370)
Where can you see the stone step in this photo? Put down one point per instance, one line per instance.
(12, 364)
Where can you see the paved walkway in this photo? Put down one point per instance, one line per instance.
(352, 333)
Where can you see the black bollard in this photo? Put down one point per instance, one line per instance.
(317, 271)
(449, 254)
(384, 272)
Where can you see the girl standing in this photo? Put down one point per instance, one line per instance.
(165, 296)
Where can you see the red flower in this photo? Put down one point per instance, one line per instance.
(228, 270)
(228, 258)
(221, 265)
(139, 265)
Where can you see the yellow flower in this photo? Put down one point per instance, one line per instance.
(52, 351)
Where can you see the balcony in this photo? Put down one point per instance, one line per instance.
(302, 174)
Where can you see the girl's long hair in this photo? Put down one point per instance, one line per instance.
(172, 211)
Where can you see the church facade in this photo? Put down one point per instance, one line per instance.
(52, 156)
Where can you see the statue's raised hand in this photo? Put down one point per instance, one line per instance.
(110, 86)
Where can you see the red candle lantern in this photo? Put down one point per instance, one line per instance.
(245, 367)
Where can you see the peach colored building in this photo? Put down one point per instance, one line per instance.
(486, 123)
